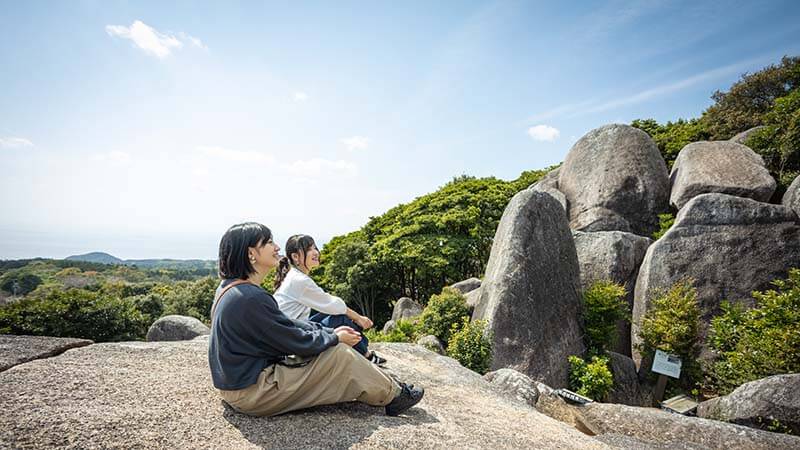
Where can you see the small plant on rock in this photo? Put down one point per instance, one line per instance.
(471, 345)
(603, 305)
(591, 379)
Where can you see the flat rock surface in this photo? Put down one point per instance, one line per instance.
(656, 427)
(19, 349)
(159, 395)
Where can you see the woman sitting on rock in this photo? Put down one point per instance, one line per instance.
(254, 349)
(297, 294)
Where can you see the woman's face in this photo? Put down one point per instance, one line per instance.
(265, 255)
(312, 257)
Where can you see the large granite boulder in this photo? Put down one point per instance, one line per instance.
(404, 308)
(626, 389)
(729, 245)
(467, 285)
(530, 294)
(614, 256)
(742, 137)
(720, 166)
(759, 404)
(19, 349)
(515, 384)
(432, 343)
(791, 199)
(655, 426)
(160, 395)
(176, 328)
(549, 184)
(614, 178)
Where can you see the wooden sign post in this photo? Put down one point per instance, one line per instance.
(665, 365)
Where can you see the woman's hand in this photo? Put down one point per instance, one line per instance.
(348, 335)
(364, 322)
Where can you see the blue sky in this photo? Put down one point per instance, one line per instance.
(145, 129)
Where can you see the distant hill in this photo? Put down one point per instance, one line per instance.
(96, 257)
(105, 258)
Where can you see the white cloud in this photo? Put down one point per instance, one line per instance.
(356, 143)
(193, 40)
(544, 133)
(115, 158)
(318, 167)
(15, 142)
(300, 96)
(237, 155)
(152, 41)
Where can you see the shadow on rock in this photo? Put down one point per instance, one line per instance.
(331, 426)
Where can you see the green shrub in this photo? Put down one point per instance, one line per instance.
(74, 313)
(403, 331)
(442, 312)
(190, 298)
(592, 379)
(759, 342)
(665, 222)
(672, 325)
(603, 305)
(471, 345)
(150, 305)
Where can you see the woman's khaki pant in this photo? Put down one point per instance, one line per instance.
(339, 374)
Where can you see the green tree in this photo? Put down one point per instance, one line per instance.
(750, 98)
(673, 136)
(779, 141)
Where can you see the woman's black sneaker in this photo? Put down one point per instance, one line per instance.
(375, 359)
(408, 397)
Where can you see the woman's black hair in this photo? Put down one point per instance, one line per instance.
(234, 261)
(299, 244)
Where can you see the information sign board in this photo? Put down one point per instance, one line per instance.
(666, 364)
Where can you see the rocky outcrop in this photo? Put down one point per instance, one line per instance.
(530, 293)
(722, 167)
(614, 256)
(159, 395)
(549, 185)
(791, 199)
(405, 308)
(515, 384)
(627, 390)
(19, 349)
(759, 404)
(432, 343)
(729, 245)
(614, 178)
(659, 427)
(176, 328)
(467, 285)
(473, 297)
(742, 137)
